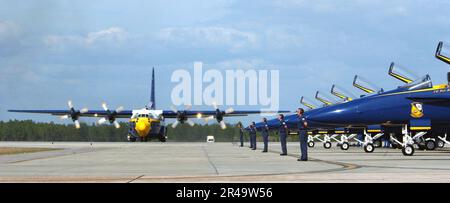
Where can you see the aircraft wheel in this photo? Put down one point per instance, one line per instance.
(369, 148)
(345, 146)
(430, 145)
(377, 143)
(440, 144)
(327, 145)
(162, 139)
(311, 144)
(132, 139)
(408, 150)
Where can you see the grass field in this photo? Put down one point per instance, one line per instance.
(21, 150)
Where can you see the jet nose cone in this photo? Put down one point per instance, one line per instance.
(141, 126)
(334, 116)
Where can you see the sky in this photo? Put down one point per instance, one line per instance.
(95, 51)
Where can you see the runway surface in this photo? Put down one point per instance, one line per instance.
(216, 162)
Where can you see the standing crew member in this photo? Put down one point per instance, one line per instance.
(265, 135)
(253, 136)
(241, 133)
(303, 134)
(283, 135)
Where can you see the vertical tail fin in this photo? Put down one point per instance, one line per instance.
(152, 97)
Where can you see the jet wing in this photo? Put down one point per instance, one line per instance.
(200, 114)
(87, 113)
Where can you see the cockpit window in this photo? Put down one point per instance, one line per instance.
(366, 86)
(421, 83)
(401, 73)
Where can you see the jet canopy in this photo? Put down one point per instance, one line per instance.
(401, 73)
(366, 86)
(327, 101)
(341, 93)
(307, 103)
(443, 52)
(421, 83)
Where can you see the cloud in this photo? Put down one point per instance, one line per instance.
(10, 38)
(110, 36)
(8, 30)
(235, 40)
(282, 38)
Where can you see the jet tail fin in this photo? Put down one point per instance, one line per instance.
(441, 53)
(152, 94)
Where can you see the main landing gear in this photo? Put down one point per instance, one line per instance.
(442, 141)
(368, 143)
(407, 143)
(326, 141)
(343, 142)
(311, 141)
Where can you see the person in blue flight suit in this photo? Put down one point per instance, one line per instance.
(253, 136)
(360, 136)
(387, 140)
(283, 131)
(265, 135)
(303, 134)
(241, 134)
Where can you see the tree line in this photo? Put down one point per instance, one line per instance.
(28, 130)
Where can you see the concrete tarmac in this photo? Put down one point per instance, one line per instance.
(216, 162)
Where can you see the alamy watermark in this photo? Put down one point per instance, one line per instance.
(231, 87)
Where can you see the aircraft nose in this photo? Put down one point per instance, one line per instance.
(141, 126)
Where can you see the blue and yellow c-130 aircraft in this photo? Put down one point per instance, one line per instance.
(416, 108)
(148, 122)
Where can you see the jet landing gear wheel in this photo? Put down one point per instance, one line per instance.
(408, 150)
(131, 138)
(430, 145)
(440, 144)
(311, 144)
(327, 145)
(345, 146)
(143, 139)
(162, 139)
(369, 148)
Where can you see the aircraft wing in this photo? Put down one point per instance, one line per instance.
(227, 113)
(87, 113)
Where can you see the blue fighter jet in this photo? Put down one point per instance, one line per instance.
(414, 109)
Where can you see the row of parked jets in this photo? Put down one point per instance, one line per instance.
(413, 116)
